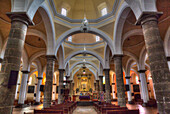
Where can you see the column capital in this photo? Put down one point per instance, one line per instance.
(106, 69)
(20, 16)
(100, 76)
(51, 57)
(25, 72)
(118, 55)
(39, 78)
(141, 71)
(127, 77)
(61, 70)
(148, 16)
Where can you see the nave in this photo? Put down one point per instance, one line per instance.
(64, 54)
(88, 109)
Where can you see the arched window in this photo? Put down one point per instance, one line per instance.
(70, 38)
(137, 80)
(103, 79)
(30, 81)
(104, 11)
(97, 38)
(64, 11)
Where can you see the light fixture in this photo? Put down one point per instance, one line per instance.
(84, 27)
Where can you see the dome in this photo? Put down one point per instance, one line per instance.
(91, 8)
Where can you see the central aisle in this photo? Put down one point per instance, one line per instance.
(84, 110)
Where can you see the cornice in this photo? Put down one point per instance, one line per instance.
(77, 22)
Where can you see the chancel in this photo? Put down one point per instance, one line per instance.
(84, 56)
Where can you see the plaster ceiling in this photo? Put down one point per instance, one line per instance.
(77, 8)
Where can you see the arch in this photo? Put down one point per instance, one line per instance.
(49, 26)
(37, 33)
(61, 57)
(107, 57)
(128, 66)
(81, 62)
(95, 75)
(28, 6)
(25, 60)
(118, 27)
(131, 33)
(91, 30)
(167, 42)
(82, 52)
(36, 55)
(142, 58)
(134, 57)
(140, 6)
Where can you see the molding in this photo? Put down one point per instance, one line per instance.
(141, 71)
(68, 20)
(25, 72)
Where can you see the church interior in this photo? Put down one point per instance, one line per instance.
(84, 56)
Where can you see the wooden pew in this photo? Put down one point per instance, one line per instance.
(104, 109)
(135, 111)
(48, 112)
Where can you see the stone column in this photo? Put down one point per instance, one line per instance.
(101, 83)
(54, 92)
(129, 93)
(119, 80)
(158, 61)
(49, 81)
(97, 85)
(38, 93)
(107, 85)
(35, 90)
(73, 88)
(12, 59)
(16, 92)
(23, 88)
(144, 89)
(60, 88)
(113, 91)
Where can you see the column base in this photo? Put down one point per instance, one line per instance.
(37, 103)
(130, 102)
(21, 106)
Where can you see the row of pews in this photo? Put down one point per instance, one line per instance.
(65, 108)
(107, 108)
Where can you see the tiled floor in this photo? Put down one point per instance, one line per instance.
(87, 109)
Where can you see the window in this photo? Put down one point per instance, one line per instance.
(70, 38)
(64, 12)
(137, 80)
(0, 66)
(97, 38)
(104, 11)
(30, 81)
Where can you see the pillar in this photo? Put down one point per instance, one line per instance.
(101, 83)
(60, 88)
(35, 90)
(73, 88)
(157, 60)
(49, 81)
(38, 93)
(23, 88)
(144, 89)
(129, 93)
(119, 80)
(12, 60)
(54, 92)
(97, 85)
(107, 85)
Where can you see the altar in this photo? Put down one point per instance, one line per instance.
(84, 98)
